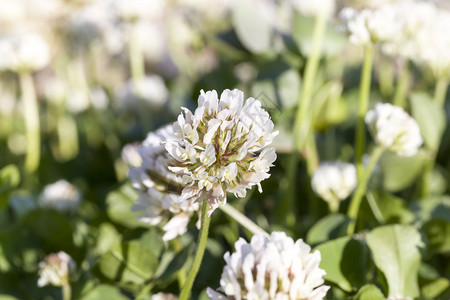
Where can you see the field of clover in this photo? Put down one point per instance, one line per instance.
(215, 149)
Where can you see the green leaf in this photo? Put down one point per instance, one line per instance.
(52, 227)
(438, 235)
(119, 203)
(175, 264)
(396, 254)
(345, 261)
(104, 291)
(431, 119)
(369, 292)
(107, 237)
(330, 227)
(438, 289)
(400, 172)
(129, 262)
(251, 27)
(392, 208)
(9, 178)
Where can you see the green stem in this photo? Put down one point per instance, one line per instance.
(364, 93)
(202, 238)
(242, 219)
(286, 207)
(136, 59)
(363, 179)
(402, 85)
(31, 116)
(375, 208)
(302, 121)
(386, 76)
(66, 291)
(440, 91)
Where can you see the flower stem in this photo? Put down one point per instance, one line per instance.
(355, 202)
(242, 219)
(31, 116)
(136, 58)
(302, 120)
(402, 85)
(364, 92)
(66, 291)
(440, 91)
(201, 246)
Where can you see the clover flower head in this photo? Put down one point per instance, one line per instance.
(370, 25)
(160, 189)
(55, 269)
(314, 8)
(398, 298)
(24, 52)
(272, 267)
(60, 195)
(393, 129)
(334, 181)
(222, 147)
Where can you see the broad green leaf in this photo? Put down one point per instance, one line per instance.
(438, 289)
(400, 172)
(9, 178)
(369, 292)
(104, 291)
(119, 203)
(330, 227)
(107, 237)
(396, 254)
(52, 227)
(392, 208)
(345, 260)
(251, 27)
(8, 297)
(431, 119)
(129, 262)
(175, 264)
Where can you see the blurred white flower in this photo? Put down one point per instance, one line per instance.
(222, 147)
(371, 25)
(314, 8)
(23, 52)
(164, 296)
(55, 269)
(393, 129)
(99, 98)
(60, 195)
(159, 188)
(334, 181)
(150, 89)
(130, 155)
(272, 267)
(77, 100)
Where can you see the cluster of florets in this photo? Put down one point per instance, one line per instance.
(160, 188)
(419, 35)
(60, 195)
(221, 147)
(393, 129)
(334, 181)
(272, 267)
(55, 269)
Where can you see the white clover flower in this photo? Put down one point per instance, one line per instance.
(25, 52)
(222, 147)
(130, 154)
(60, 195)
(314, 8)
(334, 181)
(164, 296)
(393, 129)
(150, 89)
(55, 269)
(159, 187)
(371, 25)
(272, 267)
